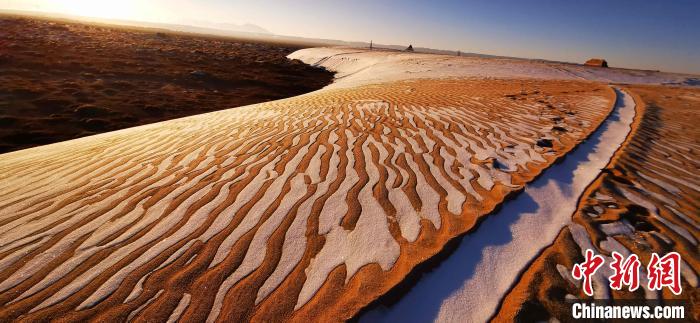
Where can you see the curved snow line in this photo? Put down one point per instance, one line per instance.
(469, 285)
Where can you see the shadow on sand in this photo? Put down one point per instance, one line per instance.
(422, 303)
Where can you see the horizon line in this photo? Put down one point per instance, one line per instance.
(117, 22)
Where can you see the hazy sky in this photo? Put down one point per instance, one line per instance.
(650, 34)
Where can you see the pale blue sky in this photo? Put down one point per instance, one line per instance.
(650, 34)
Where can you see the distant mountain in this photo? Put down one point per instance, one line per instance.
(218, 29)
(246, 28)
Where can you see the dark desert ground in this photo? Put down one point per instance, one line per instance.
(62, 80)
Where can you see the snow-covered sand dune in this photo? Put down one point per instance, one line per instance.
(309, 207)
(362, 66)
(491, 258)
(646, 201)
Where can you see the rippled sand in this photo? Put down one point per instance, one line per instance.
(646, 201)
(310, 206)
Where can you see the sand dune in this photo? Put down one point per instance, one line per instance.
(646, 202)
(492, 257)
(309, 207)
(361, 66)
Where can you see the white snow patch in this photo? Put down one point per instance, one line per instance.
(356, 67)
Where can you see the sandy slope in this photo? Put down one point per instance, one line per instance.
(304, 208)
(646, 201)
(492, 257)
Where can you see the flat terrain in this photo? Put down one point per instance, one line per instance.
(63, 80)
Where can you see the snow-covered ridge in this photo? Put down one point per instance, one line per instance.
(357, 66)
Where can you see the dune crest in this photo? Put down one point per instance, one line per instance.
(361, 66)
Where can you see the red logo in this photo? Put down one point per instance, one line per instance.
(662, 272)
(626, 272)
(665, 272)
(587, 269)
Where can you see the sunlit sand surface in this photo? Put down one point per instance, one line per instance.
(305, 208)
(492, 257)
(646, 201)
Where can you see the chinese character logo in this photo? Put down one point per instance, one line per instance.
(665, 272)
(625, 272)
(587, 269)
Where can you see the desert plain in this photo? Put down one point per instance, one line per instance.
(62, 80)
